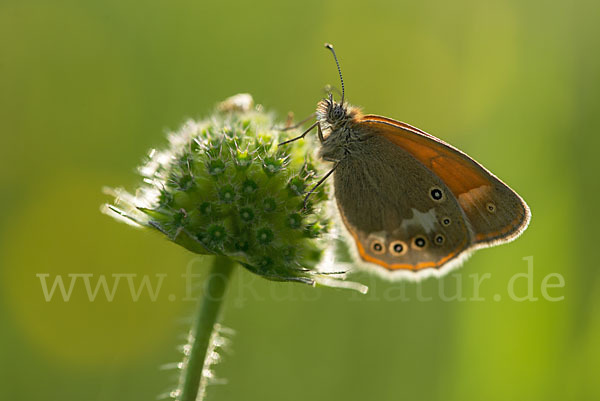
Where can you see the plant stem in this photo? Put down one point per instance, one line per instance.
(191, 383)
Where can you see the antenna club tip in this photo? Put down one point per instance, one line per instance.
(329, 46)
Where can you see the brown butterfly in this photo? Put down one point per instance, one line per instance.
(411, 202)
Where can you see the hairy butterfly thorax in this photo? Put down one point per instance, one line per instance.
(341, 132)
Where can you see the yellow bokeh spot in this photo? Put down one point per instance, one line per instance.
(63, 232)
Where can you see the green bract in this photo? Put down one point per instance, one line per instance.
(224, 187)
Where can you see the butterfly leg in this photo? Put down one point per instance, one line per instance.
(298, 124)
(320, 133)
(289, 120)
(332, 88)
(301, 136)
(322, 180)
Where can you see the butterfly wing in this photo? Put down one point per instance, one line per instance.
(401, 215)
(495, 213)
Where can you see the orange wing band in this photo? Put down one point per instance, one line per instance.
(448, 164)
(404, 266)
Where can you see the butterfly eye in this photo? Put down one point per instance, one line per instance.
(377, 247)
(337, 113)
(419, 242)
(446, 221)
(490, 207)
(439, 239)
(398, 248)
(436, 194)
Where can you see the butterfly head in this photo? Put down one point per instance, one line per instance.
(331, 112)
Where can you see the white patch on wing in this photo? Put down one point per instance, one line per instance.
(426, 220)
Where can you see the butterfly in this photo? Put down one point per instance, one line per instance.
(413, 204)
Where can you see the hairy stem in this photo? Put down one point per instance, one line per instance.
(191, 383)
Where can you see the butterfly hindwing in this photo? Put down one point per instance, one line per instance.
(401, 215)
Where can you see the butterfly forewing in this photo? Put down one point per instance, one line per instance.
(494, 211)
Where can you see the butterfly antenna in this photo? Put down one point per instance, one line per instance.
(330, 47)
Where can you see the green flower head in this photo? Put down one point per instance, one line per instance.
(223, 186)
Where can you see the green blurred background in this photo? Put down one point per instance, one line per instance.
(87, 87)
